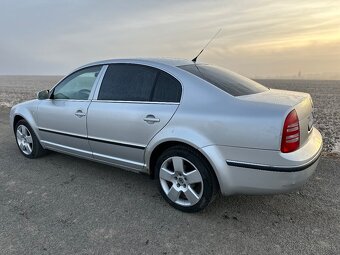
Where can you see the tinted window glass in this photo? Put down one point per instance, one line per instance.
(77, 85)
(230, 82)
(127, 82)
(167, 89)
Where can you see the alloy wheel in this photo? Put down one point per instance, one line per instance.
(181, 181)
(24, 139)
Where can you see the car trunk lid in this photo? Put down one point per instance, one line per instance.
(301, 102)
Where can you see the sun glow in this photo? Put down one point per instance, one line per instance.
(276, 37)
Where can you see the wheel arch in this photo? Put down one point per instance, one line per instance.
(26, 115)
(161, 147)
(16, 119)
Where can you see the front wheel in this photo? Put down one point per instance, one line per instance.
(27, 141)
(185, 179)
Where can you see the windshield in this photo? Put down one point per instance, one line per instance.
(230, 82)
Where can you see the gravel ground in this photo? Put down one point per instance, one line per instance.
(62, 205)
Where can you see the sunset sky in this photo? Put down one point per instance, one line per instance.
(259, 38)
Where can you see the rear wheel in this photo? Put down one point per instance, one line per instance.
(27, 141)
(185, 179)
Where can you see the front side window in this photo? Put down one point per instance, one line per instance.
(230, 82)
(78, 85)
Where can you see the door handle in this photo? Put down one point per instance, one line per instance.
(150, 119)
(80, 114)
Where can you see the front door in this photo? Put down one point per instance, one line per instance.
(62, 118)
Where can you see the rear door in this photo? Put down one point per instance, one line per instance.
(62, 118)
(133, 104)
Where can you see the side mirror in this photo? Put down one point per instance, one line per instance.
(43, 95)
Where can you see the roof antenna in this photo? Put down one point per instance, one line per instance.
(195, 58)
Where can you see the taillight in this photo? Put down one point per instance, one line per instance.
(291, 133)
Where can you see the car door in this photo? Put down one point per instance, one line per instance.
(133, 103)
(62, 118)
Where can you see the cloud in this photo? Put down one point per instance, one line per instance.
(53, 37)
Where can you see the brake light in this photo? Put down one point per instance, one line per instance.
(291, 133)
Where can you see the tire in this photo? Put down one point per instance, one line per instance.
(185, 179)
(27, 140)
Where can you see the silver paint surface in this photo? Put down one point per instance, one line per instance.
(220, 126)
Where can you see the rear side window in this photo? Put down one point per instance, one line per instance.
(167, 89)
(230, 82)
(127, 82)
(133, 82)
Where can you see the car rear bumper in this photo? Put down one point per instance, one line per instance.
(248, 180)
(253, 171)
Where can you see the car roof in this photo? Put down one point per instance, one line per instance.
(174, 62)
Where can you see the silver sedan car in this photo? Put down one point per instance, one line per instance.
(197, 129)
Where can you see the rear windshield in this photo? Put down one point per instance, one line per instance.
(230, 82)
